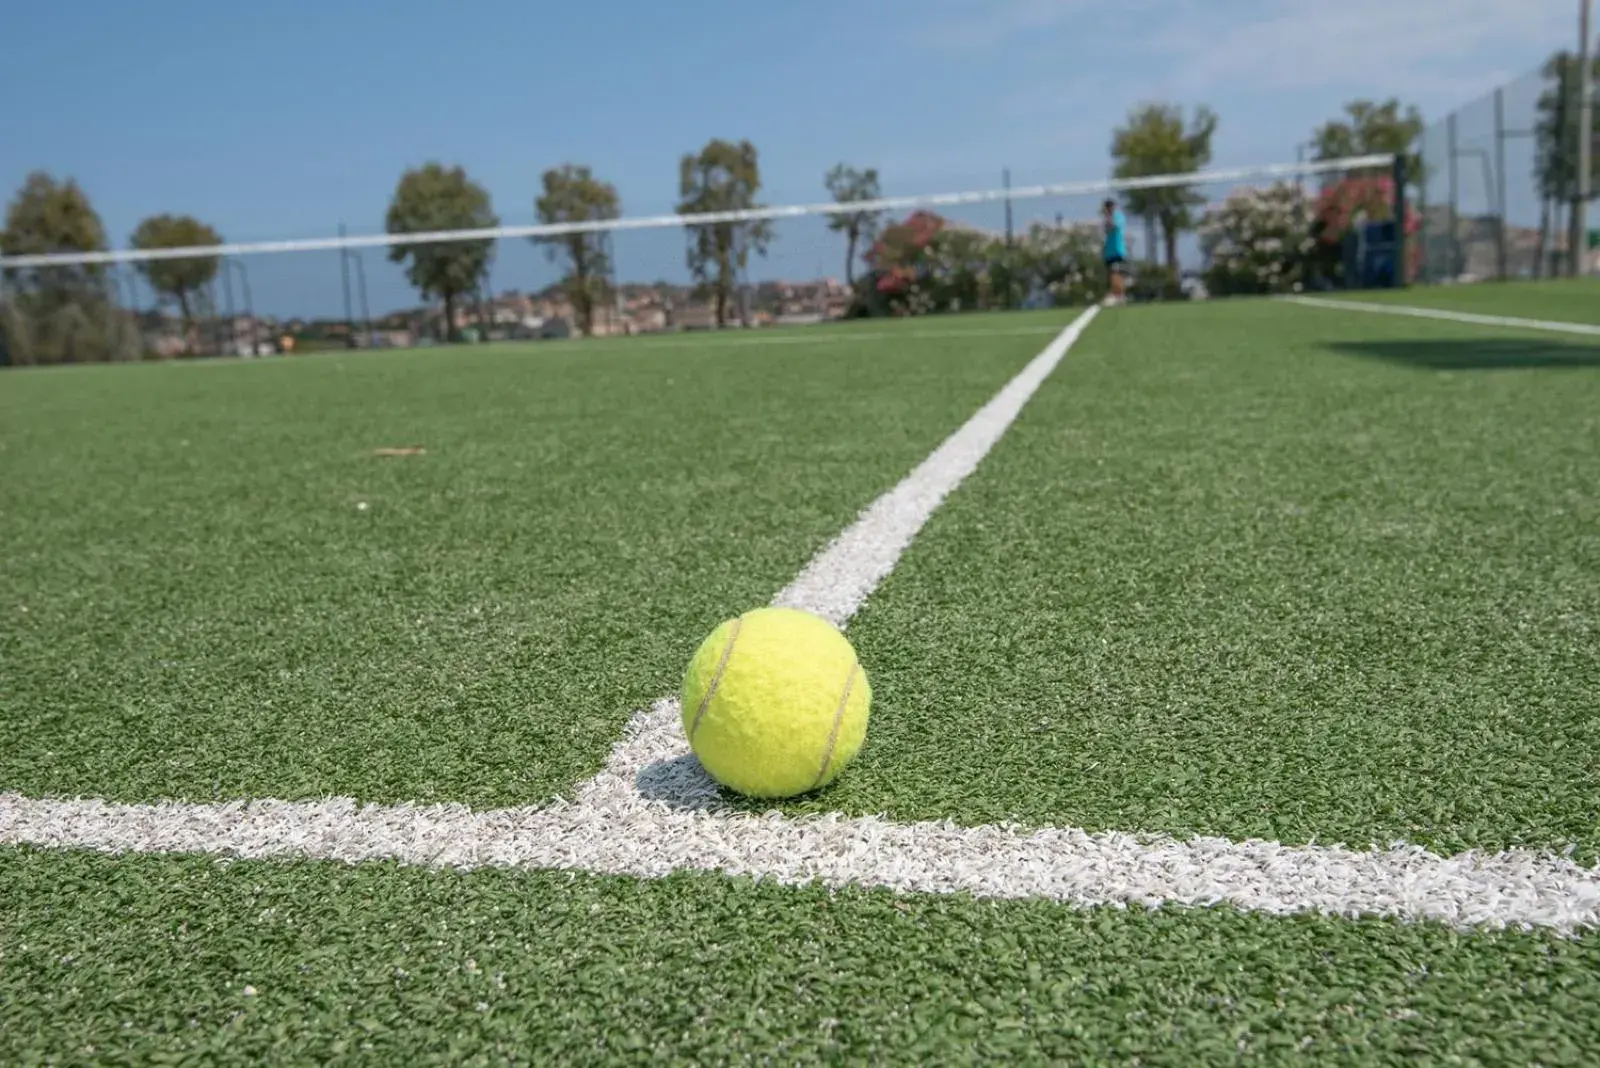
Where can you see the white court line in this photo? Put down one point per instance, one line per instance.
(652, 810)
(1550, 325)
(833, 585)
(1068, 865)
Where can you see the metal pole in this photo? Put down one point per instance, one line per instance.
(210, 294)
(361, 290)
(344, 276)
(227, 296)
(1501, 268)
(249, 305)
(1580, 203)
(1005, 181)
(1450, 148)
(5, 342)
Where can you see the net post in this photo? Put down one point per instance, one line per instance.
(1401, 275)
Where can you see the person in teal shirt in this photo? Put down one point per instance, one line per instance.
(1115, 250)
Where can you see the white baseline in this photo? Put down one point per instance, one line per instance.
(1411, 311)
(652, 810)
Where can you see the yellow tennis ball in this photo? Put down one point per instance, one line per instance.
(775, 703)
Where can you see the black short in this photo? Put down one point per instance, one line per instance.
(1116, 265)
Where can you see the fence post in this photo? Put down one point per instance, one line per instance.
(1585, 138)
(1502, 270)
(344, 279)
(1455, 241)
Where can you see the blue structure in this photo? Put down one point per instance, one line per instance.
(1371, 256)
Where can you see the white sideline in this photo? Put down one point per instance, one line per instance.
(1550, 325)
(652, 810)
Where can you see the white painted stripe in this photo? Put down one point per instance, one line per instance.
(1549, 325)
(1068, 865)
(835, 583)
(653, 756)
(652, 810)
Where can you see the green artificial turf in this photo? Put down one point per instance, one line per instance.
(1254, 569)
(1571, 300)
(212, 588)
(186, 960)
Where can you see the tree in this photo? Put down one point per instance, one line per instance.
(572, 194)
(1556, 140)
(723, 176)
(848, 185)
(1368, 128)
(48, 216)
(1155, 141)
(435, 197)
(58, 313)
(183, 277)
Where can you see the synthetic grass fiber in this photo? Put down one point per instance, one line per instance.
(158, 960)
(1571, 300)
(214, 589)
(1244, 570)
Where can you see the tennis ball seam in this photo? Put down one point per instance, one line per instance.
(716, 679)
(838, 721)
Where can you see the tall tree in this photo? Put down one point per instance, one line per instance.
(435, 197)
(1556, 140)
(860, 228)
(57, 313)
(1368, 128)
(722, 176)
(180, 278)
(572, 194)
(1155, 141)
(49, 216)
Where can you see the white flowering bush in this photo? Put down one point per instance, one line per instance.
(1259, 240)
(1064, 262)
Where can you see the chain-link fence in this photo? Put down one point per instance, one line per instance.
(1500, 178)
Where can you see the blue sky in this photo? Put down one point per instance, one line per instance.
(287, 117)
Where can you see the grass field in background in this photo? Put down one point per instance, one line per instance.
(1240, 568)
(195, 603)
(1237, 571)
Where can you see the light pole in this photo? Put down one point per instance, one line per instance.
(1577, 240)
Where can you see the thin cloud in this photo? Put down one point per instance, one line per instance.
(1434, 51)
(998, 24)
(1416, 48)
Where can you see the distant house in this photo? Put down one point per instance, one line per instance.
(695, 316)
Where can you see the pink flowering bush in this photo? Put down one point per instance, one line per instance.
(925, 264)
(1345, 204)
